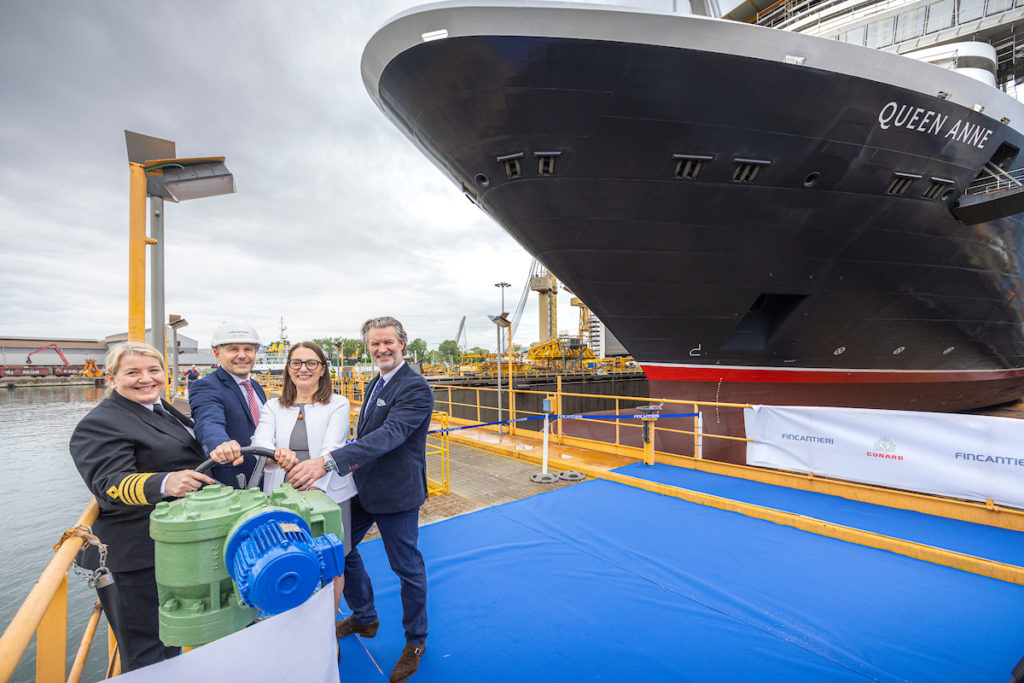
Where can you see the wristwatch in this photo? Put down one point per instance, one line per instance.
(329, 464)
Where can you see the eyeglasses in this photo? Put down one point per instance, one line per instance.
(295, 364)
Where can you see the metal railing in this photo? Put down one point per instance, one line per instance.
(44, 615)
(463, 405)
(846, 16)
(440, 445)
(620, 436)
(998, 181)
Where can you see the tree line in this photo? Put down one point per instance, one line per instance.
(345, 348)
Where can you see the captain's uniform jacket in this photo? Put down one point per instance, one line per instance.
(124, 451)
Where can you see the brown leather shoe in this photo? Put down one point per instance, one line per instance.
(407, 663)
(347, 627)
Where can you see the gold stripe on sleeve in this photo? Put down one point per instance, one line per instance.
(138, 488)
(131, 490)
(124, 490)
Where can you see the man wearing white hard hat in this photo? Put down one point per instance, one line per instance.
(226, 403)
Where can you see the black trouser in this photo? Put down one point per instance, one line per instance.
(141, 646)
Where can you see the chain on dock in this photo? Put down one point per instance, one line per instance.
(84, 531)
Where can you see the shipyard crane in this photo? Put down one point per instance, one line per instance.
(584, 319)
(539, 280)
(544, 283)
(560, 354)
(461, 338)
(517, 314)
(28, 358)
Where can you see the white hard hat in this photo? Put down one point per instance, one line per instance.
(234, 332)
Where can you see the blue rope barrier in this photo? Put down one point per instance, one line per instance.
(631, 416)
(486, 424)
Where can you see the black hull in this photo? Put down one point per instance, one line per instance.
(711, 281)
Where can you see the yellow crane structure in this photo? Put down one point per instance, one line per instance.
(544, 283)
(562, 354)
(584, 317)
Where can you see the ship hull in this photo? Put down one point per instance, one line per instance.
(812, 256)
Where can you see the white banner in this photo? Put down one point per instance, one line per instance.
(963, 456)
(297, 645)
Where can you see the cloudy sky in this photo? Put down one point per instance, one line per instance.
(336, 217)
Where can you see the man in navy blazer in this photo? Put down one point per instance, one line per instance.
(388, 463)
(226, 403)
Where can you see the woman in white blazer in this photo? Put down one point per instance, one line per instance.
(307, 393)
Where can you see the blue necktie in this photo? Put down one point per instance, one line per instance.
(375, 393)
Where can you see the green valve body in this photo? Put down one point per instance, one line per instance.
(321, 513)
(199, 602)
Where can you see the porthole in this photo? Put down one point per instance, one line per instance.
(840, 351)
(482, 180)
(811, 179)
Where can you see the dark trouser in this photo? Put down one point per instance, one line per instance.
(346, 525)
(141, 646)
(399, 531)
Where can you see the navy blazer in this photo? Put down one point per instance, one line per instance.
(388, 460)
(222, 414)
(124, 451)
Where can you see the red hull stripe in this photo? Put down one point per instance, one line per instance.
(693, 373)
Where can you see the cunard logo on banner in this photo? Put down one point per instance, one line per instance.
(913, 451)
(884, 448)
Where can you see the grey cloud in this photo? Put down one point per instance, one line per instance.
(337, 216)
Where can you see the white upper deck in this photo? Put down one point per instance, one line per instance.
(535, 18)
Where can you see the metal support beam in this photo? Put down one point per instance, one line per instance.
(172, 367)
(137, 253)
(157, 319)
(498, 329)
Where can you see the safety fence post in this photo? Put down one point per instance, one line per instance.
(698, 433)
(51, 637)
(558, 406)
(648, 427)
(618, 422)
(511, 406)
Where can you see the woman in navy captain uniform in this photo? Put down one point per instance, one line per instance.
(134, 450)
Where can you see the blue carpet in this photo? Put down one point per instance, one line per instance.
(604, 582)
(979, 540)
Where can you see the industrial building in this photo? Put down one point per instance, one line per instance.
(60, 355)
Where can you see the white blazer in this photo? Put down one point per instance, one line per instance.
(326, 430)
